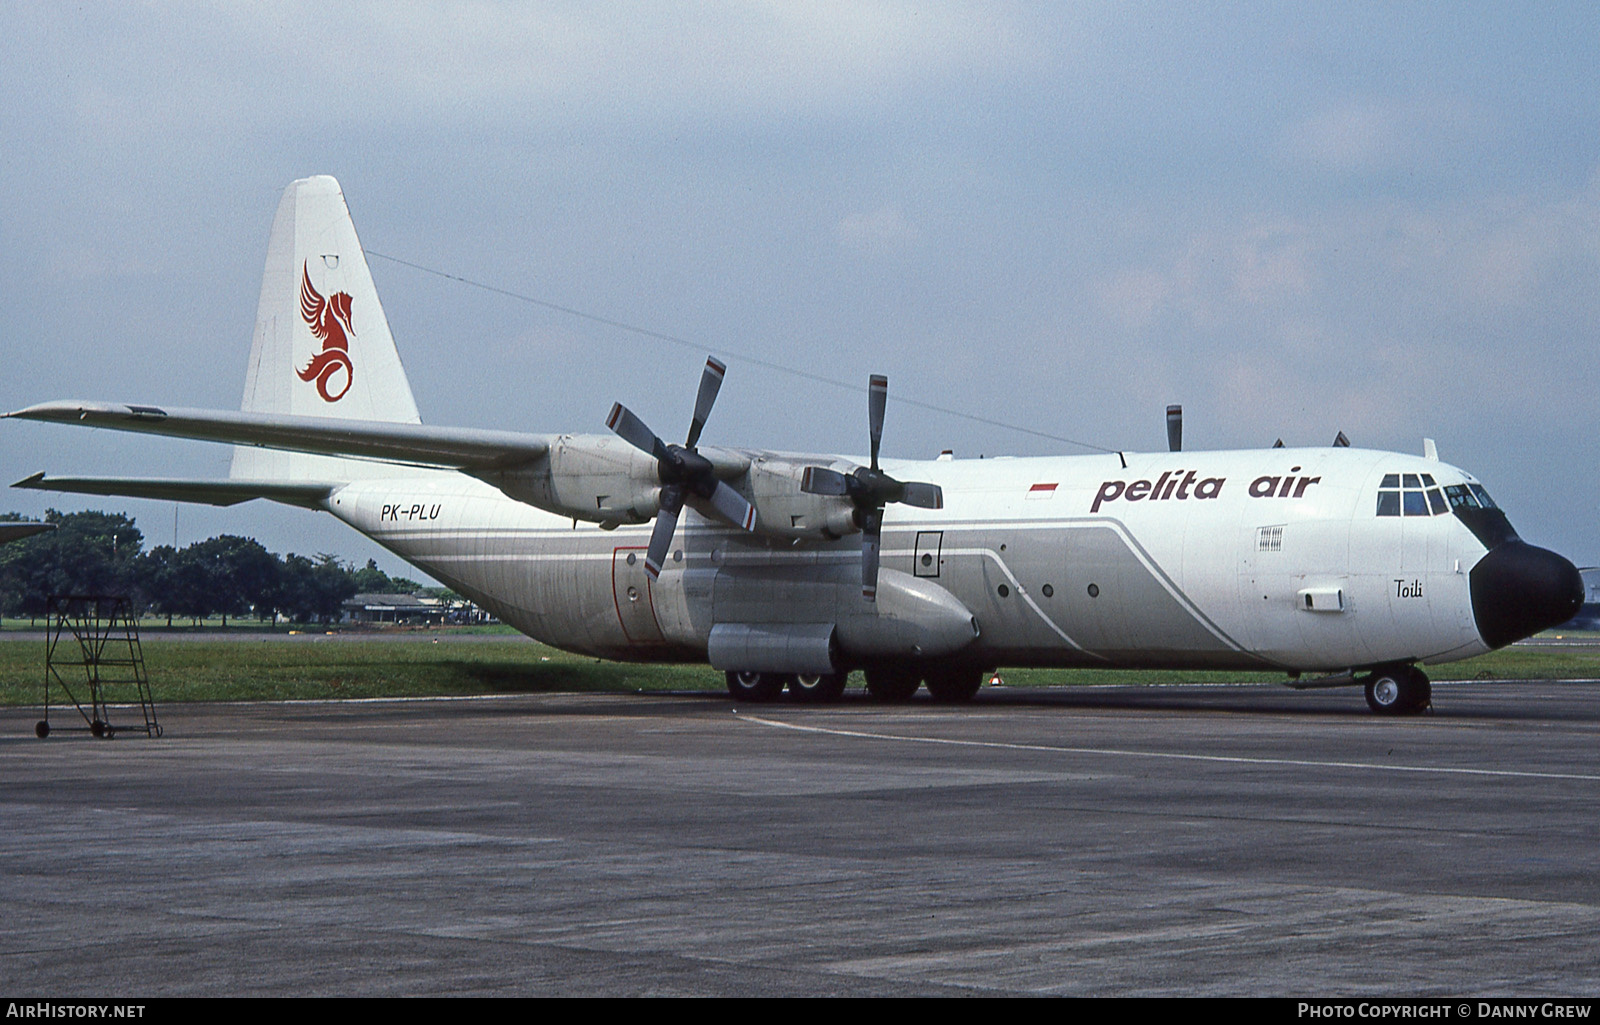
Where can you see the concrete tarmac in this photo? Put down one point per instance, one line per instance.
(1109, 841)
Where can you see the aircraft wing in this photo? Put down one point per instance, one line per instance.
(452, 448)
(306, 494)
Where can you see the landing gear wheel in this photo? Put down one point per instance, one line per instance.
(97, 728)
(1403, 690)
(893, 683)
(817, 688)
(954, 684)
(41, 729)
(747, 686)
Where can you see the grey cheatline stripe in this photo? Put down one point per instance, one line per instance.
(1160, 575)
(1022, 592)
(1171, 756)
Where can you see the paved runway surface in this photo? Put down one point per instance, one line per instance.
(1080, 841)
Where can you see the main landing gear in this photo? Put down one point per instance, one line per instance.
(808, 688)
(887, 682)
(1398, 690)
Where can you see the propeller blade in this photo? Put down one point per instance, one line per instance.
(819, 480)
(661, 535)
(871, 541)
(1175, 428)
(633, 430)
(710, 384)
(733, 507)
(923, 496)
(877, 398)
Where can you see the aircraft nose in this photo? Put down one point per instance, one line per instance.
(1518, 590)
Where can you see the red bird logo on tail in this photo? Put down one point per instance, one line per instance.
(329, 320)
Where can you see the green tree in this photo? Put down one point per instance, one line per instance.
(87, 553)
(373, 580)
(232, 575)
(314, 590)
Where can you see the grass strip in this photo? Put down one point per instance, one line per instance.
(255, 670)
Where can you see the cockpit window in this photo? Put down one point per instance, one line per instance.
(1416, 494)
(1473, 506)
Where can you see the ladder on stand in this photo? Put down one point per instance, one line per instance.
(93, 639)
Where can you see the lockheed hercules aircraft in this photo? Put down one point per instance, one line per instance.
(787, 571)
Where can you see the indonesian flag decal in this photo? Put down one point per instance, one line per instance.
(1043, 490)
(329, 320)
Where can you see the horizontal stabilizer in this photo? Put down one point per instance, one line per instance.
(18, 531)
(453, 448)
(307, 494)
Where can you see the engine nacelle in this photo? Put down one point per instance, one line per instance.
(772, 485)
(595, 477)
(603, 479)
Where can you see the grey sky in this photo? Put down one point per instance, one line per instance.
(1294, 220)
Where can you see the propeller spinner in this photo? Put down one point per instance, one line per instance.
(681, 470)
(870, 489)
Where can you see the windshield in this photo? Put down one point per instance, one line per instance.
(1418, 494)
(1411, 494)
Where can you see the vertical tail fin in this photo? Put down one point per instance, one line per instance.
(322, 345)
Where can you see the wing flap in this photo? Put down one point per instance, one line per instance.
(452, 448)
(306, 494)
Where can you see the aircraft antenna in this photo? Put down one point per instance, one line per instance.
(781, 368)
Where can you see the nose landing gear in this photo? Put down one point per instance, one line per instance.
(1398, 690)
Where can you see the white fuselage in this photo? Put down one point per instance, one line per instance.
(1260, 559)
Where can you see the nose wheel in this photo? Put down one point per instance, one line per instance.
(1398, 690)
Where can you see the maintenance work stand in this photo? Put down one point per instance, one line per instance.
(93, 645)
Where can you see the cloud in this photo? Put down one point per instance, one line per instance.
(1213, 276)
(624, 65)
(1387, 134)
(877, 233)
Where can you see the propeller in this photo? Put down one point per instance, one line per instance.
(870, 489)
(682, 470)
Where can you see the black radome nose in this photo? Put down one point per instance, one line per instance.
(1518, 590)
